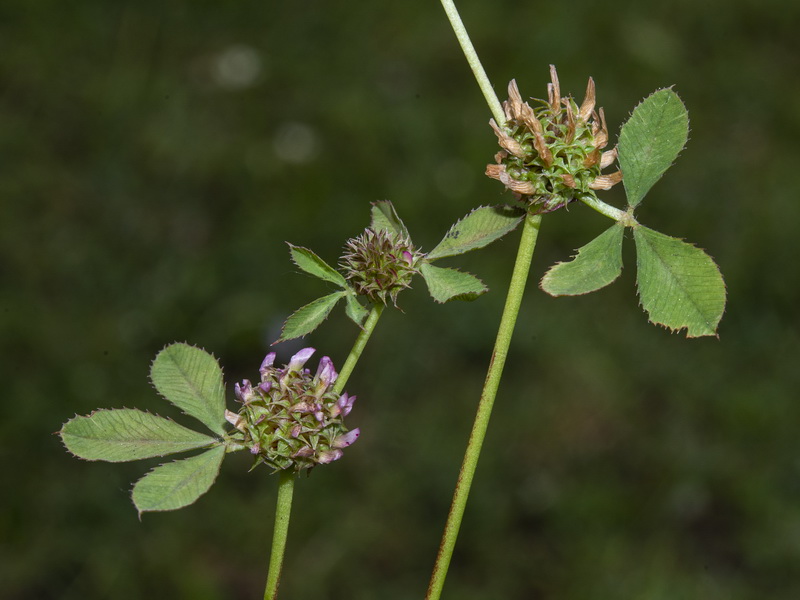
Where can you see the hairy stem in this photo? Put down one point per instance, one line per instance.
(282, 514)
(287, 477)
(474, 61)
(516, 289)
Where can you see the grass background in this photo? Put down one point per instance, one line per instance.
(154, 158)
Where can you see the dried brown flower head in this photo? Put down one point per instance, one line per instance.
(553, 154)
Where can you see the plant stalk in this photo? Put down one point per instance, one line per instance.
(282, 515)
(527, 244)
(474, 62)
(287, 477)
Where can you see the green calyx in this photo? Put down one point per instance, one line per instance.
(380, 264)
(552, 155)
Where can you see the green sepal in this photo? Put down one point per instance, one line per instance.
(450, 284)
(479, 228)
(177, 484)
(307, 318)
(191, 379)
(680, 286)
(596, 265)
(384, 216)
(312, 264)
(123, 434)
(355, 310)
(650, 141)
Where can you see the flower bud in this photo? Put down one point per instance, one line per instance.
(379, 264)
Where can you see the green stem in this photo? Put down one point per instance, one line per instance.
(358, 347)
(474, 61)
(282, 514)
(626, 218)
(516, 289)
(288, 476)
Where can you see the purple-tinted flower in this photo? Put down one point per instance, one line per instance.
(329, 456)
(293, 419)
(266, 364)
(326, 375)
(304, 452)
(244, 392)
(298, 360)
(345, 404)
(343, 441)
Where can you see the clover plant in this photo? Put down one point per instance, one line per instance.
(553, 154)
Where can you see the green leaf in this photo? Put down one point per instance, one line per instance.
(191, 379)
(307, 318)
(312, 264)
(123, 434)
(450, 284)
(355, 310)
(597, 264)
(679, 284)
(384, 216)
(177, 484)
(650, 141)
(479, 228)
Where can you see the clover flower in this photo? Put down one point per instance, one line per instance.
(553, 154)
(292, 419)
(380, 264)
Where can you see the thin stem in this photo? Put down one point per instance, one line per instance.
(288, 476)
(358, 347)
(282, 514)
(527, 244)
(609, 211)
(474, 61)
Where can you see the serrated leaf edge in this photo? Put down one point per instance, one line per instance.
(283, 328)
(678, 330)
(686, 143)
(203, 451)
(217, 440)
(153, 385)
(464, 218)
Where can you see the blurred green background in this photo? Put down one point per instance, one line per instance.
(154, 158)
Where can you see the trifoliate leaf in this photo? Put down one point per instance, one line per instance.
(312, 264)
(679, 284)
(355, 310)
(307, 318)
(384, 216)
(123, 434)
(650, 141)
(450, 284)
(597, 264)
(191, 379)
(479, 228)
(177, 484)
